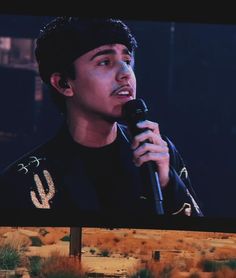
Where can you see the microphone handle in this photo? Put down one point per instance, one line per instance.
(149, 173)
(151, 178)
(135, 111)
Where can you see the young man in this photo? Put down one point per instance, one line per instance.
(92, 165)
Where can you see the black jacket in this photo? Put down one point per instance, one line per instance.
(52, 176)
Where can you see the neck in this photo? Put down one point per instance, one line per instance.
(92, 133)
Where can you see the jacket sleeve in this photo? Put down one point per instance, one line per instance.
(179, 197)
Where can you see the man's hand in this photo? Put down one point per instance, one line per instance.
(149, 146)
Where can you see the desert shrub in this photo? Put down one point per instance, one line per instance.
(152, 269)
(212, 249)
(35, 265)
(211, 266)
(116, 239)
(142, 273)
(224, 272)
(92, 251)
(203, 252)
(43, 232)
(231, 264)
(166, 272)
(9, 257)
(65, 238)
(62, 267)
(105, 253)
(51, 238)
(36, 241)
(126, 255)
(24, 260)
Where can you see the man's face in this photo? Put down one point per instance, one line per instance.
(104, 82)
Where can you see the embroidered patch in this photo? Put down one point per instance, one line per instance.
(45, 193)
(33, 160)
(184, 171)
(194, 203)
(186, 209)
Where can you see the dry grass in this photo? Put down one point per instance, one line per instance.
(61, 264)
(183, 251)
(16, 240)
(225, 272)
(180, 251)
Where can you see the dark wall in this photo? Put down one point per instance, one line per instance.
(203, 110)
(186, 74)
(20, 26)
(17, 104)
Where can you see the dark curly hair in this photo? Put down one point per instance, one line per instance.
(64, 39)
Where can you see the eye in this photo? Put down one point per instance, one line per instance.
(128, 62)
(104, 62)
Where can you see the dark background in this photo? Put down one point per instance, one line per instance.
(186, 73)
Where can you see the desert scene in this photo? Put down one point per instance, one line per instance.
(44, 252)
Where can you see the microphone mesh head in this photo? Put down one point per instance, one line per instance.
(134, 110)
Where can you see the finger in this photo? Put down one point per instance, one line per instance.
(156, 157)
(147, 147)
(149, 125)
(149, 136)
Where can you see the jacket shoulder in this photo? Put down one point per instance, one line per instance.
(35, 157)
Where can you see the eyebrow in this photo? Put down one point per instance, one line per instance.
(110, 51)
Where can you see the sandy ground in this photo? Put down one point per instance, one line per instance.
(46, 250)
(176, 247)
(109, 265)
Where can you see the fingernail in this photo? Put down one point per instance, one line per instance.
(133, 146)
(140, 124)
(136, 163)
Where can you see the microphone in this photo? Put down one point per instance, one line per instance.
(135, 111)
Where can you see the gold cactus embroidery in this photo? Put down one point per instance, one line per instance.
(44, 196)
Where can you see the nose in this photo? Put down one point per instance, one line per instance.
(124, 71)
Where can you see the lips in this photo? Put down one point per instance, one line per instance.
(123, 91)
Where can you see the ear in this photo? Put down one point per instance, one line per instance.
(63, 87)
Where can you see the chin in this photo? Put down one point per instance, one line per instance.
(113, 117)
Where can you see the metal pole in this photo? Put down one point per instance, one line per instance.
(75, 242)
